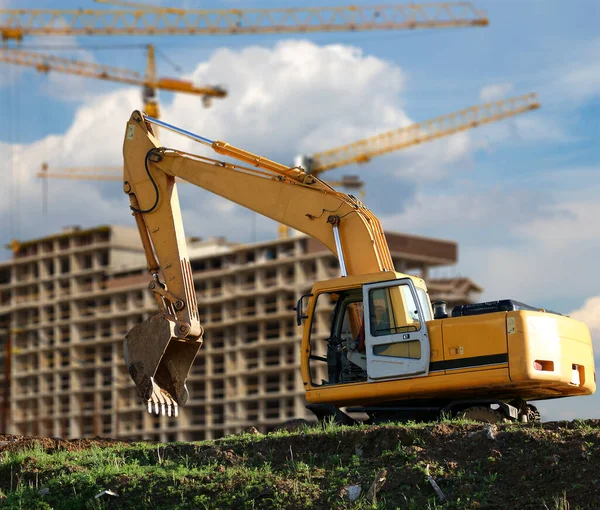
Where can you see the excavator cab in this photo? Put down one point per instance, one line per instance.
(377, 330)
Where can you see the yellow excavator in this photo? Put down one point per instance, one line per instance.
(387, 351)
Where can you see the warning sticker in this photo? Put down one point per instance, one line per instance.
(130, 131)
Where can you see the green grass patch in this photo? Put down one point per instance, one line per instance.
(547, 466)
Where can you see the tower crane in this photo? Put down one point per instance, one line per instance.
(150, 82)
(85, 173)
(361, 151)
(15, 24)
(364, 150)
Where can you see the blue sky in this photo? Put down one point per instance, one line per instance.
(518, 196)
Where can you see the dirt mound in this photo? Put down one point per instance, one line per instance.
(554, 465)
(49, 444)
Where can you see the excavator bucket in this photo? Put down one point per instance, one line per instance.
(159, 364)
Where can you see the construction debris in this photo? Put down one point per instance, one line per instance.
(250, 430)
(106, 492)
(376, 486)
(353, 492)
(435, 486)
(489, 430)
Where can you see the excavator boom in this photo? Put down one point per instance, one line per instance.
(160, 351)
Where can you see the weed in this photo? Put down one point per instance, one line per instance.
(558, 503)
(582, 425)
(491, 478)
(418, 440)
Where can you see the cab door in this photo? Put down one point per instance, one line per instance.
(396, 337)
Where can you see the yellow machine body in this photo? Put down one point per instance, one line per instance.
(371, 338)
(528, 355)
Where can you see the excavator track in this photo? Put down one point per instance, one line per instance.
(532, 414)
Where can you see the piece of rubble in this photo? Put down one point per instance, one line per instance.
(435, 486)
(376, 486)
(489, 430)
(106, 492)
(250, 430)
(353, 492)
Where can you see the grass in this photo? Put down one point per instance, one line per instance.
(312, 468)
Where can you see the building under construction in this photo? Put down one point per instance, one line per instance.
(67, 301)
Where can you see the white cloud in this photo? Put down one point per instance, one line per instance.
(94, 138)
(466, 210)
(575, 78)
(580, 79)
(590, 314)
(549, 256)
(522, 240)
(495, 92)
(297, 96)
(583, 81)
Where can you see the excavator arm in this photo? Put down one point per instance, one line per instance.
(160, 351)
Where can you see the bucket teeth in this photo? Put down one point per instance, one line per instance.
(161, 403)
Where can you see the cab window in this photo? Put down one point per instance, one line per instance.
(393, 310)
(425, 304)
